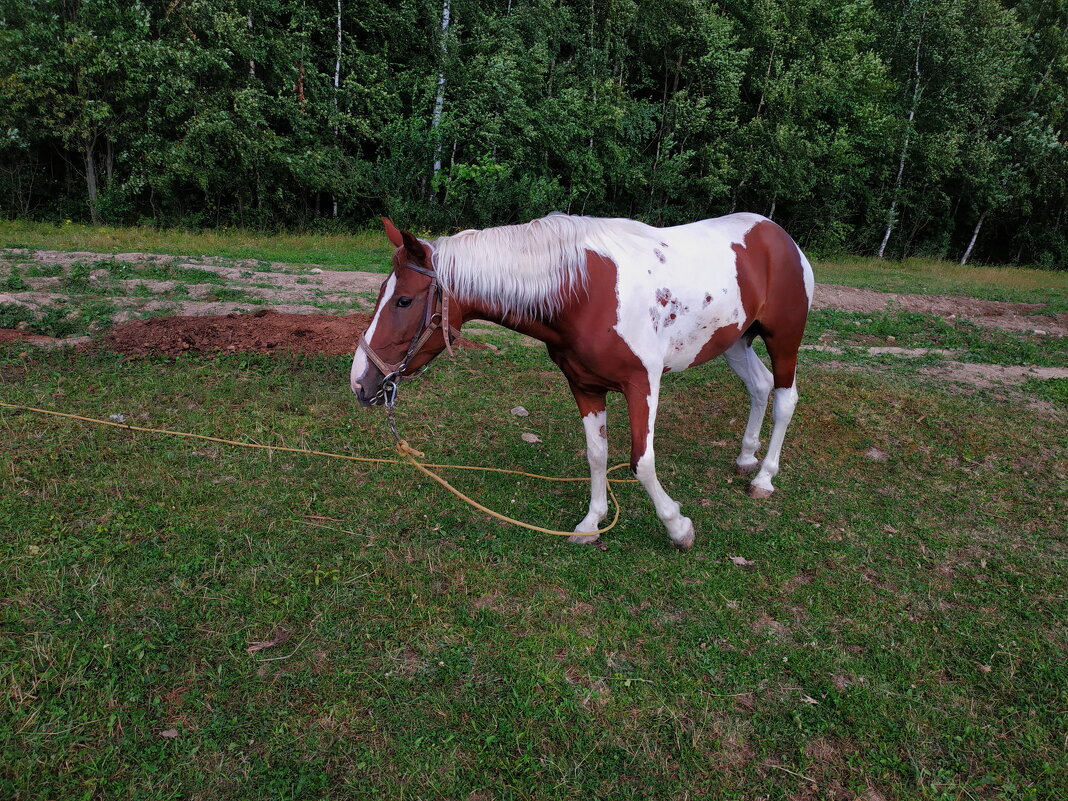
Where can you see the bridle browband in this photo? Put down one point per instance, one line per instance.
(436, 296)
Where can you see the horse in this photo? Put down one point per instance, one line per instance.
(618, 303)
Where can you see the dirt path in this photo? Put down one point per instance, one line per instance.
(991, 313)
(226, 305)
(142, 282)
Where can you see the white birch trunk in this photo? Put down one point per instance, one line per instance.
(337, 84)
(975, 235)
(439, 101)
(916, 92)
(251, 62)
(90, 182)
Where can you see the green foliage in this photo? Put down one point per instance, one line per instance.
(1054, 389)
(12, 315)
(213, 114)
(12, 282)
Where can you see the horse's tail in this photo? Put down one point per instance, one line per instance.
(806, 270)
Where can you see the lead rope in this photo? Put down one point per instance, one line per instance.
(403, 448)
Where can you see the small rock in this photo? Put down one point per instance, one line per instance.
(528, 437)
(117, 418)
(315, 271)
(519, 411)
(741, 561)
(877, 455)
(1039, 332)
(169, 734)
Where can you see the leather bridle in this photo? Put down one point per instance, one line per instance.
(437, 297)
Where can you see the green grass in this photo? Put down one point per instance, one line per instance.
(930, 277)
(1052, 389)
(364, 250)
(972, 343)
(902, 628)
(13, 282)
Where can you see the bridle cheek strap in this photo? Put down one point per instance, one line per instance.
(432, 321)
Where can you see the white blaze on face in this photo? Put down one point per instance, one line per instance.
(360, 361)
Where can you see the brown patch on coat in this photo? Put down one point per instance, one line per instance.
(772, 289)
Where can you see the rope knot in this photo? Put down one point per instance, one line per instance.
(404, 449)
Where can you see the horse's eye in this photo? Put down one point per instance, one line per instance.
(404, 303)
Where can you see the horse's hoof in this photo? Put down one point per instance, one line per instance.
(759, 492)
(685, 542)
(583, 539)
(745, 471)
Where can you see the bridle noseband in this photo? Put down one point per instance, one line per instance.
(436, 296)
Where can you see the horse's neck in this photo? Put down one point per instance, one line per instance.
(538, 329)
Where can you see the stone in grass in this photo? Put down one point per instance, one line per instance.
(519, 411)
(528, 437)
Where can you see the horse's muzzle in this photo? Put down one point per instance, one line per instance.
(367, 399)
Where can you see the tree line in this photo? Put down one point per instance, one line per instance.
(890, 127)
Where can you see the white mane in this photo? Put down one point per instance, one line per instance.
(528, 270)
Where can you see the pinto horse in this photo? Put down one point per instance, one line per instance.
(617, 303)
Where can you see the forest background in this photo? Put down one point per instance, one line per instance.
(930, 128)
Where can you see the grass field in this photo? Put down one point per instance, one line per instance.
(899, 635)
(368, 250)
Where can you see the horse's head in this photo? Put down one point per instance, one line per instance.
(410, 324)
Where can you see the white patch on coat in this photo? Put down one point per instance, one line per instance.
(669, 310)
(360, 361)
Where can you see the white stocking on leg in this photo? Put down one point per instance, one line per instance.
(781, 412)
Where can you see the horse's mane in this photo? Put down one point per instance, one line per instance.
(528, 270)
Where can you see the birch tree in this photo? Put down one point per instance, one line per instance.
(439, 99)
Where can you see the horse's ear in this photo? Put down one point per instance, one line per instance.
(414, 247)
(392, 232)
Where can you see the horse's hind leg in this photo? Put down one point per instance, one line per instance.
(757, 379)
(782, 348)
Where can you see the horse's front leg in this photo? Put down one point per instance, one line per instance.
(592, 408)
(642, 399)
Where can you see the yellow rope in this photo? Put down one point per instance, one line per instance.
(403, 448)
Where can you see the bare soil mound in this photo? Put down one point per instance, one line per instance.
(263, 331)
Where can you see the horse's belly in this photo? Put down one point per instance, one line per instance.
(695, 335)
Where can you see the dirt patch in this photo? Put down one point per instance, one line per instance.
(263, 331)
(907, 353)
(986, 376)
(13, 335)
(990, 313)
